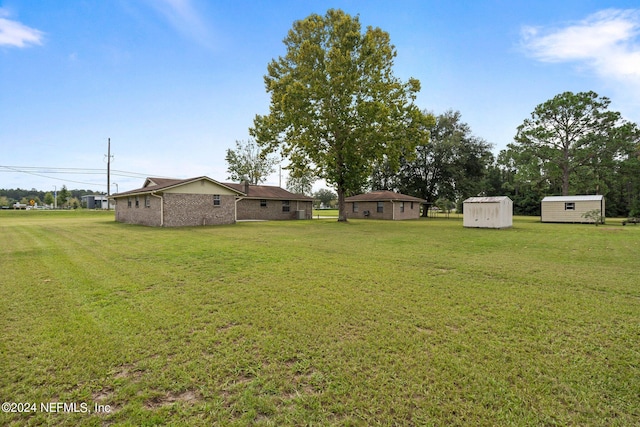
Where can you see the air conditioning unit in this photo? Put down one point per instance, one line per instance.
(302, 214)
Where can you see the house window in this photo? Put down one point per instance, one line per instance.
(401, 206)
(263, 203)
(285, 206)
(411, 205)
(355, 207)
(216, 200)
(137, 202)
(380, 208)
(128, 202)
(147, 201)
(569, 206)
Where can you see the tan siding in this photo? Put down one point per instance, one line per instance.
(200, 187)
(553, 211)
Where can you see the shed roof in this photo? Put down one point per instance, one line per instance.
(384, 196)
(586, 198)
(495, 199)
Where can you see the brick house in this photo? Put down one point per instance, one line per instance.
(270, 203)
(163, 202)
(383, 205)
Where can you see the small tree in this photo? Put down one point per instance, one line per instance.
(445, 205)
(300, 183)
(248, 163)
(63, 196)
(48, 199)
(594, 215)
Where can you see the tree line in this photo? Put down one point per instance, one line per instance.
(65, 197)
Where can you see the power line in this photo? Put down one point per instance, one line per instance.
(49, 177)
(78, 171)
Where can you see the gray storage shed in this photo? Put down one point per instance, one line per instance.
(570, 208)
(488, 212)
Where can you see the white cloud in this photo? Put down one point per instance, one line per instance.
(183, 16)
(608, 42)
(13, 33)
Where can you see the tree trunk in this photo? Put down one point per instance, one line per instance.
(342, 213)
(565, 181)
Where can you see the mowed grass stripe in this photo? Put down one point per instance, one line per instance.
(315, 322)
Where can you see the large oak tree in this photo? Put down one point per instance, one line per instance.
(336, 107)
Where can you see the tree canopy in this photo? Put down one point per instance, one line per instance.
(248, 163)
(573, 136)
(449, 162)
(336, 108)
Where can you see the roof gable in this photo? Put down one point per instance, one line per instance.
(152, 185)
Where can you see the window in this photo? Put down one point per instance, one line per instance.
(569, 206)
(355, 207)
(285, 206)
(216, 200)
(147, 201)
(137, 202)
(128, 202)
(401, 206)
(380, 208)
(263, 203)
(411, 205)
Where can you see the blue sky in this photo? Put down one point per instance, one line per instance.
(174, 83)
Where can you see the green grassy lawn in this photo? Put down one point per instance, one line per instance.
(319, 322)
(325, 213)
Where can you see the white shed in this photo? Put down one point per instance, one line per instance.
(488, 212)
(570, 208)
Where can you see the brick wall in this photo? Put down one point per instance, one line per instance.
(139, 214)
(179, 210)
(251, 209)
(197, 209)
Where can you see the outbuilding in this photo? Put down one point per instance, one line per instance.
(488, 212)
(383, 205)
(571, 208)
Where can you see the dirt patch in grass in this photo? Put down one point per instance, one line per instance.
(189, 397)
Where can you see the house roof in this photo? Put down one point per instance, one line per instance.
(585, 198)
(383, 196)
(254, 191)
(494, 199)
(161, 184)
(267, 192)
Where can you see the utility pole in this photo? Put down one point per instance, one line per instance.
(108, 171)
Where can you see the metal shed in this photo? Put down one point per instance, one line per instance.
(488, 212)
(570, 208)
